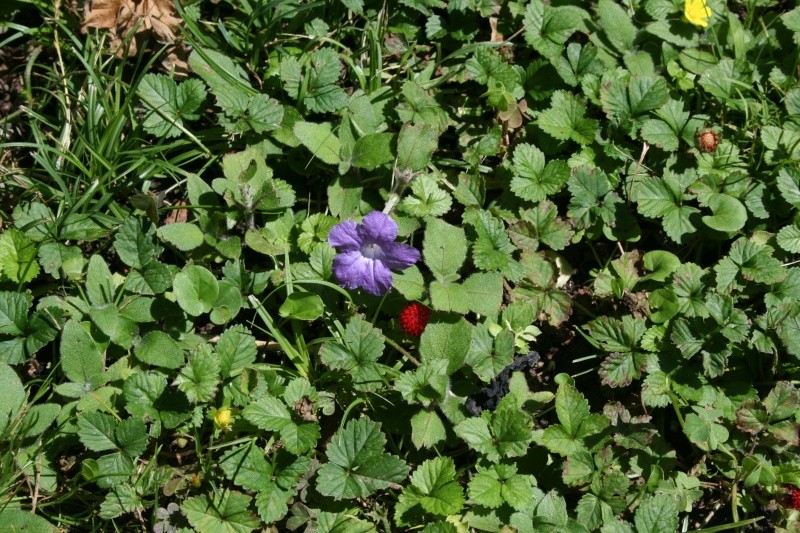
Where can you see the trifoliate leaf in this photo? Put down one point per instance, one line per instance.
(226, 513)
(541, 224)
(168, 104)
(566, 119)
(357, 354)
(426, 198)
(533, 180)
(748, 262)
(434, 487)
(357, 464)
(548, 28)
(199, 378)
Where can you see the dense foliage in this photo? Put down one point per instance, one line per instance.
(355, 265)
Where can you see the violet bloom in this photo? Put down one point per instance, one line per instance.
(368, 253)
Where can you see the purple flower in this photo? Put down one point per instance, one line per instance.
(368, 253)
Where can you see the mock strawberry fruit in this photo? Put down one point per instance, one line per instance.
(793, 499)
(413, 318)
(708, 140)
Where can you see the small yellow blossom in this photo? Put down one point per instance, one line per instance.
(697, 12)
(223, 418)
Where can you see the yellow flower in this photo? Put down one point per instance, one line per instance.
(223, 418)
(697, 12)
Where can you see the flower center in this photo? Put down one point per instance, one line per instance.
(371, 251)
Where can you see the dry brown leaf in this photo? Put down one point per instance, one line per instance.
(142, 18)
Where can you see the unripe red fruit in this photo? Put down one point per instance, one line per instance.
(708, 140)
(413, 318)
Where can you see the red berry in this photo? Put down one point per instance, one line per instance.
(414, 318)
(793, 497)
(708, 140)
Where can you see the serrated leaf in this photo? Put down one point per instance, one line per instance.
(657, 514)
(236, 349)
(533, 180)
(199, 378)
(169, 104)
(358, 354)
(17, 257)
(227, 513)
(81, 358)
(357, 464)
(135, 244)
(548, 28)
(426, 198)
(434, 486)
(566, 119)
(96, 431)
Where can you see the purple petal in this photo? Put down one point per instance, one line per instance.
(345, 236)
(398, 256)
(353, 270)
(377, 227)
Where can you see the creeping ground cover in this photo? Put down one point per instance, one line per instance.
(386, 266)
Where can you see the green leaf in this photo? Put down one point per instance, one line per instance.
(629, 97)
(444, 249)
(703, 430)
(729, 213)
(548, 28)
(660, 263)
(131, 436)
(616, 25)
(434, 487)
(199, 378)
(748, 261)
(541, 225)
(268, 413)
(447, 341)
(415, 146)
(57, 259)
(81, 357)
(181, 235)
(427, 429)
(788, 238)
(322, 95)
(135, 244)
(657, 514)
(426, 199)
(236, 349)
(320, 141)
(247, 466)
(13, 397)
(373, 150)
(533, 180)
(302, 306)
(159, 349)
(358, 354)
(17, 257)
(566, 119)
(272, 503)
(226, 513)
(168, 104)
(96, 431)
(788, 182)
(196, 289)
(13, 313)
(17, 520)
(118, 329)
(357, 464)
(228, 303)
